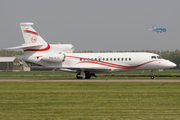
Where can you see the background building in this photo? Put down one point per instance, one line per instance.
(11, 64)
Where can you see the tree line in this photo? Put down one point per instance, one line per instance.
(10, 53)
(173, 56)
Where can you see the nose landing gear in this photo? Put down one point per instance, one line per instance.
(152, 77)
(152, 74)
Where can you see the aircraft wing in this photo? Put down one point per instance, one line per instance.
(89, 69)
(78, 69)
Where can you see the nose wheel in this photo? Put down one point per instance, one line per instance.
(152, 77)
(152, 74)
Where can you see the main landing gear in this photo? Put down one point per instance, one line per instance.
(87, 75)
(78, 77)
(152, 74)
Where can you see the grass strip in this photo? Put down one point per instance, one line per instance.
(170, 74)
(99, 76)
(93, 100)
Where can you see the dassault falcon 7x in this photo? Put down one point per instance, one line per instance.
(39, 53)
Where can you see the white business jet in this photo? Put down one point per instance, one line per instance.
(39, 53)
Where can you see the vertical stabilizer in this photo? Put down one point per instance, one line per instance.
(31, 37)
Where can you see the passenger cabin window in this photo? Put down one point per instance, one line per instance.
(99, 59)
(84, 59)
(118, 59)
(107, 59)
(153, 57)
(125, 59)
(88, 59)
(114, 59)
(91, 59)
(122, 59)
(159, 57)
(110, 59)
(80, 59)
(129, 59)
(103, 59)
(95, 59)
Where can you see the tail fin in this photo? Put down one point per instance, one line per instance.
(30, 35)
(153, 26)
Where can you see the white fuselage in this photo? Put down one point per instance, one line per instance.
(99, 62)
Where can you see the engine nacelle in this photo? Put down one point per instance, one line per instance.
(67, 48)
(54, 58)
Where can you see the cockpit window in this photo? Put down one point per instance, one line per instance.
(153, 57)
(159, 57)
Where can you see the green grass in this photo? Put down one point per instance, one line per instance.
(68, 73)
(167, 74)
(89, 100)
(36, 73)
(148, 72)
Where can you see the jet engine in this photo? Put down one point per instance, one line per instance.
(54, 58)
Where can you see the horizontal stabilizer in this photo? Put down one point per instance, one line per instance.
(149, 29)
(25, 46)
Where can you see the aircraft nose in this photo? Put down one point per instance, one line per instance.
(171, 64)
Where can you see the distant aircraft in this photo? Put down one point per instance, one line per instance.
(41, 54)
(158, 29)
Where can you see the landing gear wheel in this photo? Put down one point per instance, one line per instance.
(152, 74)
(78, 77)
(152, 77)
(88, 76)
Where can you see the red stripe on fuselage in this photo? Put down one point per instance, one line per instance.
(29, 31)
(107, 65)
(97, 61)
(37, 50)
(111, 64)
(74, 57)
(116, 65)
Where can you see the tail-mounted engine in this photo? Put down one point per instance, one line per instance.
(54, 58)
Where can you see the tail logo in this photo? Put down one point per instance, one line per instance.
(33, 39)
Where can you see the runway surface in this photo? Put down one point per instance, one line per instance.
(90, 80)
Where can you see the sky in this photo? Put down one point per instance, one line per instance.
(97, 25)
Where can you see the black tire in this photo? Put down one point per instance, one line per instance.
(152, 77)
(78, 76)
(88, 76)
